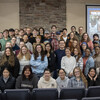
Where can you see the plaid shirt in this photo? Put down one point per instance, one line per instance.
(74, 83)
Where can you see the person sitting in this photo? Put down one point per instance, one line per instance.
(46, 81)
(62, 80)
(27, 80)
(6, 80)
(92, 77)
(78, 80)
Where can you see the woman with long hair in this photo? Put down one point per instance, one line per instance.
(78, 57)
(83, 47)
(70, 39)
(38, 61)
(51, 57)
(92, 77)
(27, 80)
(78, 80)
(24, 58)
(10, 61)
(41, 33)
(85, 38)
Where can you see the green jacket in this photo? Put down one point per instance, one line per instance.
(3, 43)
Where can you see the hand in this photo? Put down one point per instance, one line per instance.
(95, 78)
(90, 77)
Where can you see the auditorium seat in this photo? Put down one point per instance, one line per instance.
(17, 94)
(45, 94)
(93, 91)
(72, 93)
(91, 98)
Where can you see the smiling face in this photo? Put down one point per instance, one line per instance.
(6, 73)
(8, 53)
(48, 48)
(68, 52)
(38, 48)
(77, 73)
(97, 50)
(92, 73)
(87, 52)
(24, 50)
(47, 75)
(62, 74)
(27, 72)
(75, 51)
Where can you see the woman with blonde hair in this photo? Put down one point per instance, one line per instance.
(78, 80)
(24, 57)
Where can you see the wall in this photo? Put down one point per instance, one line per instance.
(43, 13)
(9, 14)
(76, 12)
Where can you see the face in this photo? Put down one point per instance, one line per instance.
(77, 73)
(68, 53)
(6, 73)
(96, 38)
(47, 75)
(41, 30)
(97, 50)
(92, 73)
(21, 44)
(54, 29)
(73, 29)
(48, 47)
(35, 32)
(24, 50)
(11, 33)
(5, 34)
(62, 44)
(21, 33)
(85, 36)
(46, 35)
(28, 30)
(25, 38)
(13, 40)
(64, 32)
(38, 40)
(87, 52)
(8, 53)
(16, 32)
(27, 72)
(62, 74)
(8, 44)
(75, 43)
(71, 35)
(75, 52)
(38, 48)
(83, 46)
(80, 30)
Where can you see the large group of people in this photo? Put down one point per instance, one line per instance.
(38, 58)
